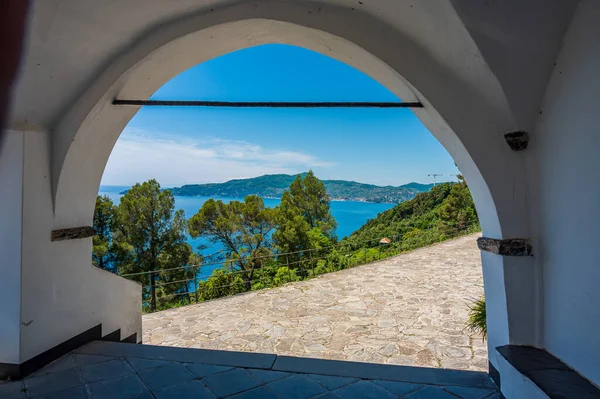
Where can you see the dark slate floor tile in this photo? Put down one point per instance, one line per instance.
(364, 390)
(296, 387)
(266, 376)
(54, 382)
(126, 387)
(469, 393)
(328, 395)
(64, 363)
(12, 389)
(495, 395)
(230, 382)
(332, 383)
(431, 392)
(165, 376)
(188, 389)
(256, 393)
(146, 364)
(88, 360)
(203, 370)
(73, 393)
(145, 395)
(106, 370)
(399, 388)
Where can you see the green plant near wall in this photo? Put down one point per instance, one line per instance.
(477, 322)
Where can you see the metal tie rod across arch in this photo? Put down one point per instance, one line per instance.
(269, 104)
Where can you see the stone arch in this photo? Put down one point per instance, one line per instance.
(465, 109)
(468, 116)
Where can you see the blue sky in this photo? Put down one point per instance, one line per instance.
(200, 145)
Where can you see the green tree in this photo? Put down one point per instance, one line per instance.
(304, 207)
(458, 209)
(243, 228)
(446, 211)
(150, 237)
(104, 220)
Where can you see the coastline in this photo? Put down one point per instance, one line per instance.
(361, 200)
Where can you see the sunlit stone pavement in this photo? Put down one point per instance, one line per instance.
(408, 310)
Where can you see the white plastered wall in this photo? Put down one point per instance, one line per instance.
(422, 52)
(564, 177)
(62, 294)
(11, 178)
(469, 119)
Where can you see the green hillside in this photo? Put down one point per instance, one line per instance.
(273, 186)
(444, 209)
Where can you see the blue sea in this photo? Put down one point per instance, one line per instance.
(349, 215)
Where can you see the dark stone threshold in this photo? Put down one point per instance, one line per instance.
(269, 361)
(373, 371)
(505, 247)
(73, 233)
(18, 371)
(552, 376)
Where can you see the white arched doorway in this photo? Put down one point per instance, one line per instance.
(464, 107)
(454, 111)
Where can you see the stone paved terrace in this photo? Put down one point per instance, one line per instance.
(407, 310)
(111, 370)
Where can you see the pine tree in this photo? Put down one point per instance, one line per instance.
(311, 198)
(305, 206)
(458, 209)
(243, 228)
(150, 237)
(304, 222)
(104, 219)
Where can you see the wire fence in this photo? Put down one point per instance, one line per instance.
(180, 286)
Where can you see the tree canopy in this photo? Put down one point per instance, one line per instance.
(304, 215)
(446, 208)
(243, 228)
(104, 223)
(149, 235)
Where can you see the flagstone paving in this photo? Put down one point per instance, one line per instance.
(115, 370)
(407, 310)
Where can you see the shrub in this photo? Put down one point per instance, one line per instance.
(221, 283)
(477, 322)
(285, 275)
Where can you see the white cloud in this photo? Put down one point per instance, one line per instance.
(140, 155)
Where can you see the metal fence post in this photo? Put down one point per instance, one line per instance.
(332, 261)
(152, 291)
(196, 283)
(232, 277)
(312, 265)
(262, 272)
(287, 263)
